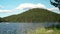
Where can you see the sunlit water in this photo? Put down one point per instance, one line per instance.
(20, 28)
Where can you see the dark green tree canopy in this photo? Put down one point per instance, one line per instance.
(56, 3)
(0, 19)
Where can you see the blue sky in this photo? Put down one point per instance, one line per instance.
(10, 7)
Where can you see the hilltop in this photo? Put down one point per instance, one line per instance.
(34, 15)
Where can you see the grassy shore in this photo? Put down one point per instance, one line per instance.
(44, 31)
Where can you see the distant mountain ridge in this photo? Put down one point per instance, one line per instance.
(34, 15)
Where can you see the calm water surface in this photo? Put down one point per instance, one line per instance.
(20, 28)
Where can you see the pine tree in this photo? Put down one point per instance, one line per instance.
(56, 3)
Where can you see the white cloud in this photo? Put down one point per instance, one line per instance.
(30, 5)
(51, 9)
(56, 10)
(24, 6)
(5, 10)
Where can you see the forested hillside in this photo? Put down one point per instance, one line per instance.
(34, 15)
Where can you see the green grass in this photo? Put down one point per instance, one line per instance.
(44, 31)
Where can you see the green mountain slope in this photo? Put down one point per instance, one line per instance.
(34, 15)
